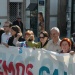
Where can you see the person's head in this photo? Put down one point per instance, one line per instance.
(40, 17)
(54, 33)
(18, 18)
(29, 35)
(65, 44)
(15, 30)
(43, 37)
(7, 26)
(73, 35)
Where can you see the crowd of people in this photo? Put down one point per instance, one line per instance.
(11, 35)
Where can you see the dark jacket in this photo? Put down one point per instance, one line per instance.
(20, 24)
(73, 42)
(1, 32)
(44, 44)
(10, 41)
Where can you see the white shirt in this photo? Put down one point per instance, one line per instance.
(53, 47)
(5, 37)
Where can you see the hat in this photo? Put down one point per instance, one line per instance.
(18, 17)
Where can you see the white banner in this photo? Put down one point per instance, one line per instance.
(27, 61)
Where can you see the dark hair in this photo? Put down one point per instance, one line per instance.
(67, 40)
(17, 29)
(41, 14)
(45, 33)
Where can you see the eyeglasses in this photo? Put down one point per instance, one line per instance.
(41, 37)
(5, 26)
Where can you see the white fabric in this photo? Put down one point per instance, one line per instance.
(53, 47)
(27, 61)
(5, 37)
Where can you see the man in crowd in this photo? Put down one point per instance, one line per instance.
(54, 43)
(19, 23)
(5, 36)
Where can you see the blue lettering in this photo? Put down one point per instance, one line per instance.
(65, 73)
(55, 72)
(48, 62)
(42, 69)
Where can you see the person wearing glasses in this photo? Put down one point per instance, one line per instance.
(43, 39)
(19, 23)
(6, 35)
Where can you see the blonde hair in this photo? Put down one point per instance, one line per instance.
(31, 33)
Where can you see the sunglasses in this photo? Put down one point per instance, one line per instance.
(41, 37)
(5, 26)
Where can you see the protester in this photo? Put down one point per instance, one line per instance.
(43, 39)
(54, 43)
(29, 40)
(65, 45)
(16, 33)
(41, 22)
(6, 35)
(19, 23)
(1, 32)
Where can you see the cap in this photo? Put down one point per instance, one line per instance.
(18, 17)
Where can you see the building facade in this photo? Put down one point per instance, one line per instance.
(54, 12)
(73, 17)
(10, 9)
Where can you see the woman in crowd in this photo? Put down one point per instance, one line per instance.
(43, 39)
(65, 45)
(41, 22)
(16, 33)
(29, 40)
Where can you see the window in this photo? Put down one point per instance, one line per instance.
(53, 7)
(53, 22)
